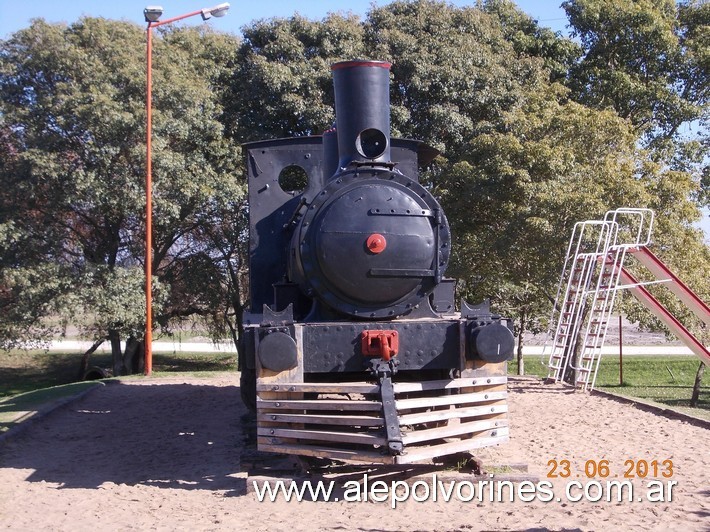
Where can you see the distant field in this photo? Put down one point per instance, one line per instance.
(667, 380)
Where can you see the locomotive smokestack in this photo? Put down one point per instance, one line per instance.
(362, 111)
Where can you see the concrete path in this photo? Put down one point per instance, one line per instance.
(228, 347)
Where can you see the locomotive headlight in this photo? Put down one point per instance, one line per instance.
(371, 143)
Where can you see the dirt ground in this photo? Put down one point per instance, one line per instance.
(168, 455)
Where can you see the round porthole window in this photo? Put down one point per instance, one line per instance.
(293, 179)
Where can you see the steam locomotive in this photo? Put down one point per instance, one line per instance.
(353, 348)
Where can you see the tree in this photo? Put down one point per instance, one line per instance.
(453, 71)
(641, 59)
(649, 61)
(71, 230)
(514, 201)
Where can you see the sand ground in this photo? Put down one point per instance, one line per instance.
(167, 454)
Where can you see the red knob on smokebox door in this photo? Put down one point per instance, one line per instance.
(376, 243)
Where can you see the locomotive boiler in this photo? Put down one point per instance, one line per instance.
(353, 348)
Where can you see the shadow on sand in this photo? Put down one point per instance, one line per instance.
(183, 436)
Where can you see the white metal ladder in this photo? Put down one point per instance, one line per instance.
(590, 277)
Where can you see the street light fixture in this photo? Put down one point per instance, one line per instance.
(152, 15)
(216, 11)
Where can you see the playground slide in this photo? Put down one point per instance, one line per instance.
(658, 310)
(661, 271)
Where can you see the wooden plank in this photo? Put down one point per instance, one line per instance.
(322, 435)
(423, 402)
(403, 387)
(478, 368)
(364, 387)
(324, 419)
(454, 430)
(317, 387)
(305, 404)
(454, 413)
(329, 452)
(423, 453)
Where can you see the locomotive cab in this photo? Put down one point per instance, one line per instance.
(349, 297)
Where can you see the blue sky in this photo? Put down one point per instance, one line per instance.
(15, 15)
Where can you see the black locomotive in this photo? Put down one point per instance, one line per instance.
(353, 348)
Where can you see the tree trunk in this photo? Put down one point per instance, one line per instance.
(574, 352)
(84, 366)
(696, 387)
(521, 331)
(575, 357)
(139, 358)
(116, 353)
(130, 355)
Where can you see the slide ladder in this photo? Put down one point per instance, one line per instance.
(582, 292)
(597, 322)
(592, 275)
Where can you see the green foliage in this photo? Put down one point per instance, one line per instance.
(632, 60)
(649, 60)
(528, 38)
(513, 202)
(453, 70)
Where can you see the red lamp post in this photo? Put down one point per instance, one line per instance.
(152, 14)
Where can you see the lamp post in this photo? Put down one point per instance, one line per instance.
(152, 14)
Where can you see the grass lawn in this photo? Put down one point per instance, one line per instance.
(24, 371)
(663, 379)
(14, 410)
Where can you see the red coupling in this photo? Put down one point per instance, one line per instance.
(377, 343)
(376, 243)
